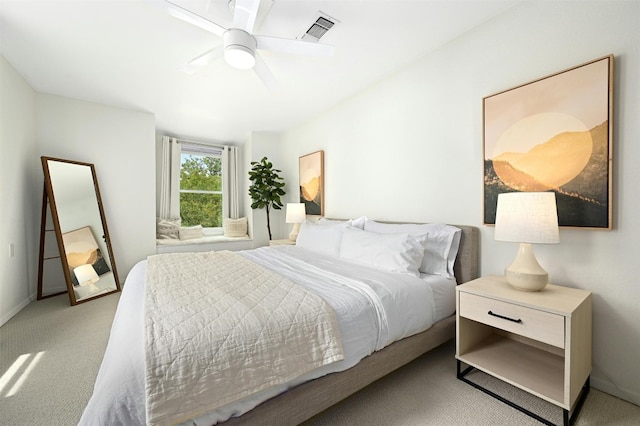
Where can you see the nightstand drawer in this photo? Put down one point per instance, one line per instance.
(532, 323)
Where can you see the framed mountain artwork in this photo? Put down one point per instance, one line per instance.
(81, 248)
(554, 134)
(311, 169)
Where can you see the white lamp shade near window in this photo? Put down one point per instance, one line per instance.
(527, 218)
(296, 214)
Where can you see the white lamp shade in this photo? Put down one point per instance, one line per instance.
(86, 274)
(527, 217)
(296, 213)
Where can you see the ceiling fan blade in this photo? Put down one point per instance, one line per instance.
(298, 47)
(199, 62)
(190, 17)
(264, 73)
(244, 14)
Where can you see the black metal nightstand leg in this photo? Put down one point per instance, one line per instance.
(583, 396)
(567, 419)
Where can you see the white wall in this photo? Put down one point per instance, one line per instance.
(18, 211)
(121, 145)
(410, 148)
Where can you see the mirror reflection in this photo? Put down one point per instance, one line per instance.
(81, 230)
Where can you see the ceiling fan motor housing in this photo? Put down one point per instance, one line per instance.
(239, 48)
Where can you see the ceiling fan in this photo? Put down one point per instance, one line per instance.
(239, 44)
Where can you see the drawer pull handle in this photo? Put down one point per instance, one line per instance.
(506, 318)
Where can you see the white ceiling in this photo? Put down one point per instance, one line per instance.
(129, 53)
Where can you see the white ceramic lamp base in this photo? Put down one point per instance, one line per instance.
(525, 273)
(294, 232)
(92, 288)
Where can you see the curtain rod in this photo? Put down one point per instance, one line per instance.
(199, 143)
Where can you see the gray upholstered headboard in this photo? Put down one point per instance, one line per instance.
(467, 266)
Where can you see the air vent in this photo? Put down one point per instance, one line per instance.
(319, 28)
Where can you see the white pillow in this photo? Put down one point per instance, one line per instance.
(168, 229)
(325, 221)
(190, 232)
(234, 227)
(321, 238)
(356, 223)
(441, 245)
(444, 242)
(393, 252)
(359, 222)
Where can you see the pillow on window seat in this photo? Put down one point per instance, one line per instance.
(190, 232)
(168, 229)
(234, 227)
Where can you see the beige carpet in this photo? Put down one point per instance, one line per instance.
(57, 384)
(426, 392)
(53, 388)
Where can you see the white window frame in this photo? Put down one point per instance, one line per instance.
(208, 151)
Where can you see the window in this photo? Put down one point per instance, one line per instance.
(201, 186)
(198, 184)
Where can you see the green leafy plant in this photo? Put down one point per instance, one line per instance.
(266, 187)
(200, 174)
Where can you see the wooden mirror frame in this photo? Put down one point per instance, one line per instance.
(49, 199)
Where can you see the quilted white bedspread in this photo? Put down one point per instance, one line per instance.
(214, 335)
(373, 308)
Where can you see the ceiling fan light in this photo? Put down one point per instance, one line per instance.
(240, 57)
(239, 48)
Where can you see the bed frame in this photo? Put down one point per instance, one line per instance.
(308, 399)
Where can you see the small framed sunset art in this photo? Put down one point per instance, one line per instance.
(81, 248)
(554, 134)
(311, 170)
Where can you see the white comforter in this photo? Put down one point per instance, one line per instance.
(374, 308)
(220, 327)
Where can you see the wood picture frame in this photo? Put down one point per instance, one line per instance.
(554, 134)
(311, 182)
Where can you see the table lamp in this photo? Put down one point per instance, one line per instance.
(527, 218)
(296, 214)
(87, 276)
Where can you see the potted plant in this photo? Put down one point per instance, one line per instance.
(266, 187)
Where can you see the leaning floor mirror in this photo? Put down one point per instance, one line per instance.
(71, 202)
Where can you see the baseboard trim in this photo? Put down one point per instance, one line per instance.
(7, 316)
(612, 389)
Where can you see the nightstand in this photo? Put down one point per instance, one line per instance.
(286, 242)
(537, 341)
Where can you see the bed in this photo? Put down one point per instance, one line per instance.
(119, 393)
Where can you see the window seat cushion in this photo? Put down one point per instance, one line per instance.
(202, 240)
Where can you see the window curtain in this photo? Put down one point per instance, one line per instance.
(170, 183)
(230, 207)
